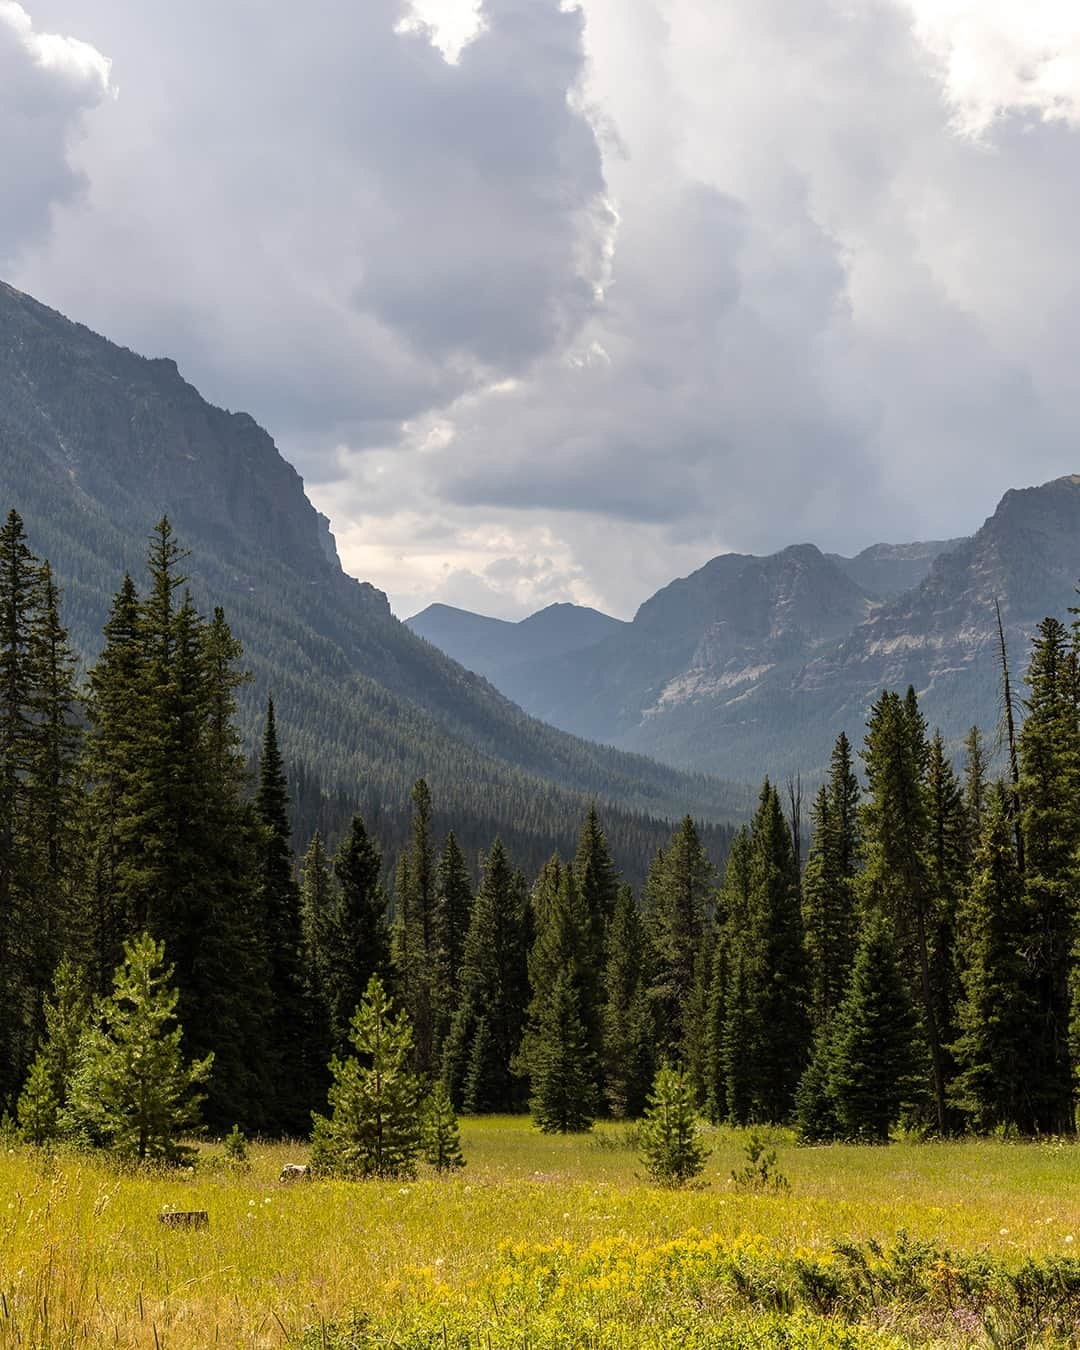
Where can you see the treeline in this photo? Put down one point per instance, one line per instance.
(919, 967)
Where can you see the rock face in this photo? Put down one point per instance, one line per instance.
(96, 443)
(753, 665)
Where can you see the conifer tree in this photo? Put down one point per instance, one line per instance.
(998, 1007)
(829, 906)
(895, 880)
(487, 1028)
(413, 947)
(130, 1090)
(279, 902)
(373, 1128)
(976, 788)
(678, 899)
(356, 944)
(440, 1138)
(627, 1035)
(561, 1064)
(671, 1150)
(318, 901)
(1049, 751)
(44, 1094)
(598, 884)
(815, 1109)
(450, 924)
(873, 1064)
(768, 1032)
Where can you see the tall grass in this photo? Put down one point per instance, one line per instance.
(524, 1237)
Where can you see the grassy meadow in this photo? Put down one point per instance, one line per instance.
(547, 1241)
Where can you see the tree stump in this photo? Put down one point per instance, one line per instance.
(184, 1218)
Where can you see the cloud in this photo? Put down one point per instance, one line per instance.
(550, 301)
(47, 83)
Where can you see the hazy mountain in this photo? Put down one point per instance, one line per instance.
(493, 647)
(753, 665)
(887, 570)
(97, 442)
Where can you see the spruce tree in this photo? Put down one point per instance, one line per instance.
(44, 1095)
(627, 1036)
(356, 944)
(440, 1138)
(895, 880)
(1049, 752)
(678, 899)
(976, 788)
(318, 901)
(450, 924)
(598, 885)
(874, 1059)
(279, 902)
(486, 1032)
(768, 1016)
(561, 1064)
(671, 1150)
(373, 1128)
(131, 1090)
(413, 946)
(998, 1006)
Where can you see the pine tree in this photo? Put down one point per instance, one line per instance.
(895, 880)
(413, 947)
(356, 944)
(678, 897)
(670, 1147)
(1049, 751)
(598, 885)
(769, 1014)
(829, 906)
(874, 1061)
(561, 1063)
(131, 1090)
(373, 1127)
(998, 1006)
(44, 1095)
(279, 903)
(487, 1027)
(976, 789)
(627, 1036)
(318, 901)
(440, 1139)
(450, 924)
(815, 1110)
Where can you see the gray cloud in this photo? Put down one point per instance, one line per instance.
(47, 83)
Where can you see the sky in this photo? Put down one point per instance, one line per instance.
(554, 301)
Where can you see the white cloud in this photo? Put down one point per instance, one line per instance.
(1003, 56)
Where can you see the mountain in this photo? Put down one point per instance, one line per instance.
(753, 665)
(96, 443)
(494, 647)
(887, 570)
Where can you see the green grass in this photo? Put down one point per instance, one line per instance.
(545, 1242)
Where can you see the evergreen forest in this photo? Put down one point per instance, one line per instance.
(910, 960)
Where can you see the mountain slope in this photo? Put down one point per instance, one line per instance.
(753, 665)
(493, 647)
(96, 443)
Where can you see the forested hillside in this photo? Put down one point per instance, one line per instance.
(96, 444)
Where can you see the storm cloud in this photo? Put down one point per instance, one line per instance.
(619, 286)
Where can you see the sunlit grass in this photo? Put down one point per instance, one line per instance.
(84, 1259)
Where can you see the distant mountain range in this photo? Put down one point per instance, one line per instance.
(752, 665)
(96, 443)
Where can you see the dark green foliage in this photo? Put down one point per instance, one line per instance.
(627, 1031)
(440, 1139)
(414, 952)
(671, 1149)
(356, 945)
(130, 1090)
(561, 1064)
(998, 1005)
(896, 880)
(1049, 750)
(679, 894)
(815, 1111)
(828, 888)
(767, 1033)
(44, 1095)
(450, 925)
(488, 1024)
(874, 1060)
(373, 1128)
